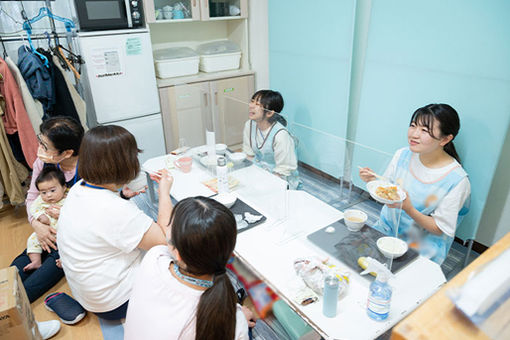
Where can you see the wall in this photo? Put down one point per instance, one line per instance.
(258, 42)
(416, 53)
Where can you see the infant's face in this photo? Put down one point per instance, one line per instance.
(51, 191)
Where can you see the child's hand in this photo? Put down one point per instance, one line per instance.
(250, 317)
(44, 219)
(165, 182)
(53, 211)
(58, 262)
(366, 174)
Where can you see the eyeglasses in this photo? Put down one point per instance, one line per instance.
(43, 144)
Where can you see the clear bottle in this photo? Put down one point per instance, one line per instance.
(222, 175)
(379, 298)
(330, 296)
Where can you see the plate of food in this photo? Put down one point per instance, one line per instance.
(386, 192)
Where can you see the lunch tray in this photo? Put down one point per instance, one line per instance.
(347, 246)
(240, 207)
(236, 166)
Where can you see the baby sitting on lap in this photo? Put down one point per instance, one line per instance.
(52, 192)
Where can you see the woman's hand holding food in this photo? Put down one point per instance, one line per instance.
(45, 234)
(406, 204)
(366, 174)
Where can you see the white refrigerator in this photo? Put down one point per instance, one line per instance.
(120, 85)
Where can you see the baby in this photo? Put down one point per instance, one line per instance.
(52, 191)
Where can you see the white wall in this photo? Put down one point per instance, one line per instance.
(259, 42)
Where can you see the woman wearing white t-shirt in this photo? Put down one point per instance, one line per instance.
(100, 234)
(438, 189)
(182, 290)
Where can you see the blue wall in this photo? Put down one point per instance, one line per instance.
(417, 52)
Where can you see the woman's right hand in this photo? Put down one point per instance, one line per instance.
(366, 174)
(165, 182)
(46, 235)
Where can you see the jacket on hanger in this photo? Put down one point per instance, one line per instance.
(37, 77)
(33, 106)
(12, 173)
(15, 118)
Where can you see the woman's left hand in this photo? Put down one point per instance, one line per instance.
(250, 317)
(130, 193)
(53, 211)
(406, 204)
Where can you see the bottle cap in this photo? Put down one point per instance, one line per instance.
(222, 161)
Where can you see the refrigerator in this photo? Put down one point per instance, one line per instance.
(119, 85)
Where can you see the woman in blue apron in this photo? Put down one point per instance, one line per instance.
(266, 139)
(438, 189)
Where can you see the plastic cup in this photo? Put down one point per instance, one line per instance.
(184, 164)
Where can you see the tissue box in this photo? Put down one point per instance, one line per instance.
(16, 318)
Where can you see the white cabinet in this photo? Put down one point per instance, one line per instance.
(161, 11)
(189, 109)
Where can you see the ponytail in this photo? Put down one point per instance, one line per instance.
(276, 117)
(216, 314)
(450, 149)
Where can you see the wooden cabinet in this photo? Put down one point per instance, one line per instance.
(221, 105)
(162, 11)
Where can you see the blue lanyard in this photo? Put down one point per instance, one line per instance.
(192, 280)
(75, 179)
(92, 186)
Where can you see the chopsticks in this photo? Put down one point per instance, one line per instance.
(375, 175)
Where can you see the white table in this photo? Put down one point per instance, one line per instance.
(271, 248)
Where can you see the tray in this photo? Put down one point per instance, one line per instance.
(240, 207)
(347, 246)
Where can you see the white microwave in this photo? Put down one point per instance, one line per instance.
(94, 15)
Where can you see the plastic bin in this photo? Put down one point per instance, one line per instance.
(176, 62)
(219, 56)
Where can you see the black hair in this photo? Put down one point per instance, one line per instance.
(49, 173)
(204, 232)
(271, 101)
(447, 119)
(64, 132)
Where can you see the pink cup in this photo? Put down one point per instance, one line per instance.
(184, 164)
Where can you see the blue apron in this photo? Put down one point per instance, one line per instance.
(264, 154)
(425, 197)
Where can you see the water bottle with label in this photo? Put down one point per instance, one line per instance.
(379, 298)
(330, 296)
(222, 175)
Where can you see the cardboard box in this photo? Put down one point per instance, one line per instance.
(16, 317)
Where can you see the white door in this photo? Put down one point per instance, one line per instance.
(121, 75)
(148, 132)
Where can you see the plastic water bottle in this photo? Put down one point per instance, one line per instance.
(379, 298)
(330, 296)
(222, 175)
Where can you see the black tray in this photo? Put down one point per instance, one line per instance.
(347, 246)
(240, 207)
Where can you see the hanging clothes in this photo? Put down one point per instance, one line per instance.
(78, 101)
(37, 77)
(12, 173)
(64, 105)
(15, 118)
(33, 106)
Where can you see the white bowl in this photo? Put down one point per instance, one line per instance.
(354, 219)
(225, 198)
(221, 148)
(237, 157)
(372, 188)
(139, 183)
(392, 247)
(206, 162)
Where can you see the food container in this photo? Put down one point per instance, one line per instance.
(219, 56)
(176, 62)
(355, 219)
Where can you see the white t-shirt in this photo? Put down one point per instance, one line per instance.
(161, 307)
(447, 211)
(284, 150)
(98, 233)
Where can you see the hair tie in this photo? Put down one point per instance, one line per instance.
(220, 272)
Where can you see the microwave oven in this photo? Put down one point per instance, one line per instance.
(94, 15)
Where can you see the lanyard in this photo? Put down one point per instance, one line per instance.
(75, 179)
(92, 186)
(192, 280)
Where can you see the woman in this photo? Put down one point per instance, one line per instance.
(59, 144)
(438, 189)
(100, 234)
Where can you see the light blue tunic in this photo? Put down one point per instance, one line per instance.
(264, 154)
(425, 197)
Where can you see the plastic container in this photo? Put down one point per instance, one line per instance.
(222, 174)
(176, 62)
(330, 297)
(219, 56)
(379, 298)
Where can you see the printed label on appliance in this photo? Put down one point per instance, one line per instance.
(133, 46)
(106, 62)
